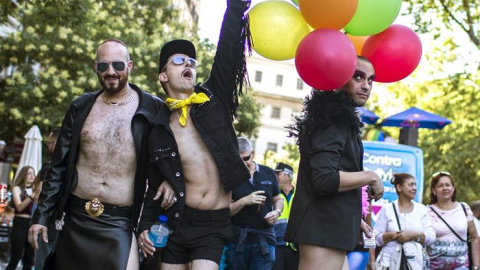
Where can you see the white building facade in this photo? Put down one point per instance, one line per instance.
(278, 88)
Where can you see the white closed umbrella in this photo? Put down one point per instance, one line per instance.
(32, 150)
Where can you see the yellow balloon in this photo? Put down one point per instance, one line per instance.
(277, 28)
(310, 28)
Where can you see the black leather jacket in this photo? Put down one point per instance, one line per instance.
(62, 177)
(213, 121)
(329, 143)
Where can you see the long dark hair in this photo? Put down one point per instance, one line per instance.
(434, 182)
(321, 109)
(21, 179)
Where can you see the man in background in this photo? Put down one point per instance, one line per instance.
(42, 174)
(286, 253)
(45, 248)
(256, 206)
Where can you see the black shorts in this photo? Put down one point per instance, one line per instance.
(201, 235)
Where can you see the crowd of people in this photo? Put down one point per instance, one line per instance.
(434, 237)
(123, 157)
(430, 237)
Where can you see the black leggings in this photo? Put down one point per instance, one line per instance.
(19, 244)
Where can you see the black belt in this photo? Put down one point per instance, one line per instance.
(108, 209)
(206, 215)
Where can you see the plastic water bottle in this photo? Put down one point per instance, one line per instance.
(159, 232)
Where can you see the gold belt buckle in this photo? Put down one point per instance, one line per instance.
(94, 208)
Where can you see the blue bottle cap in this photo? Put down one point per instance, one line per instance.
(162, 219)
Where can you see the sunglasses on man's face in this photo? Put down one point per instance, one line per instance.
(443, 173)
(247, 158)
(180, 60)
(117, 65)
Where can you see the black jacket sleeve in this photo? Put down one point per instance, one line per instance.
(151, 208)
(230, 52)
(324, 162)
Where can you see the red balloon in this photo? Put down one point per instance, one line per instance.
(325, 59)
(394, 53)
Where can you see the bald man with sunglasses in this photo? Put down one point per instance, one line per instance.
(193, 146)
(95, 186)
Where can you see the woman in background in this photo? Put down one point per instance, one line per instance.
(414, 222)
(450, 250)
(22, 196)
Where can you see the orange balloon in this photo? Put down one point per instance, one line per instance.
(333, 14)
(358, 42)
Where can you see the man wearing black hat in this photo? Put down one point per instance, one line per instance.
(286, 253)
(193, 146)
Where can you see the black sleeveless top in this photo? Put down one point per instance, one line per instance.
(28, 209)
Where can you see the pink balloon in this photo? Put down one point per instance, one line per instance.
(325, 59)
(394, 53)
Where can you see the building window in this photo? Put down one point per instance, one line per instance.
(299, 84)
(272, 147)
(258, 76)
(279, 80)
(275, 113)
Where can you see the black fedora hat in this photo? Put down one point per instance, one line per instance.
(173, 47)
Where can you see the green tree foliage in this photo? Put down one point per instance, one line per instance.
(291, 157)
(456, 147)
(247, 121)
(48, 59)
(205, 53)
(464, 14)
(455, 95)
(293, 152)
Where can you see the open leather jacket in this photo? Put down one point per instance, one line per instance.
(62, 177)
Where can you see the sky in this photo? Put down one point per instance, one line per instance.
(211, 16)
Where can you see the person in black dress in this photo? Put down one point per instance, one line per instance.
(325, 218)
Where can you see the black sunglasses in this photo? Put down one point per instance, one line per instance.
(180, 60)
(117, 65)
(247, 158)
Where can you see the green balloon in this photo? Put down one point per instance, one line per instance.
(373, 16)
(295, 2)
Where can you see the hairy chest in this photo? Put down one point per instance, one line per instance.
(108, 129)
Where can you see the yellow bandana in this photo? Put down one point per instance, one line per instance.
(174, 104)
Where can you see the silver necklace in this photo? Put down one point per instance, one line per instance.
(111, 103)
